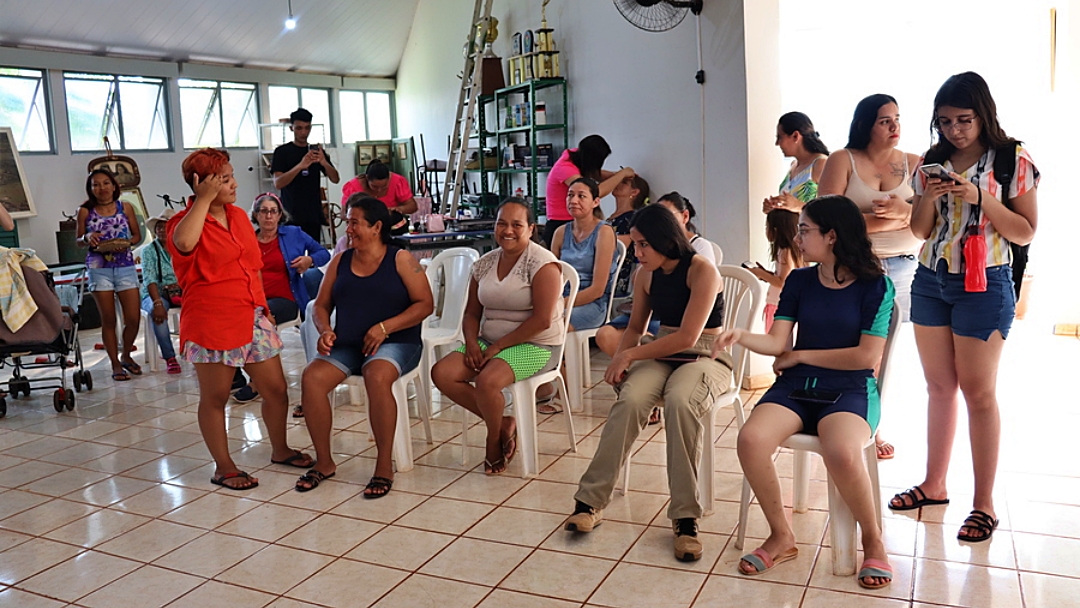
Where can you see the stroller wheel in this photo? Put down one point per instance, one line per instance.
(76, 382)
(69, 400)
(3, 407)
(58, 400)
(88, 382)
(25, 387)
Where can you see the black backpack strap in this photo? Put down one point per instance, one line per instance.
(1004, 170)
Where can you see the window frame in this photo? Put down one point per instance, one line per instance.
(329, 124)
(115, 81)
(218, 98)
(367, 113)
(46, 93)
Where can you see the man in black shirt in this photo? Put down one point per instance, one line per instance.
(297, 169)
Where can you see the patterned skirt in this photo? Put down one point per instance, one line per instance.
(265, 344)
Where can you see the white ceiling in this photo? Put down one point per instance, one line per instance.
(344, 37)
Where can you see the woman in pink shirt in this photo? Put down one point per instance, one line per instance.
(586, 160)
(390, 188)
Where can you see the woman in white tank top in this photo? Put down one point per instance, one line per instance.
(871, 171)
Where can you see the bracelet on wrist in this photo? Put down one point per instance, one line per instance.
(158, 303)
(383, 328)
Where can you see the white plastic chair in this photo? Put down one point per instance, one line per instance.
(523, 393)
(744, 300)
(449, 274)
(842, 525)
(152, 354)
(578, 359)
(403, 452)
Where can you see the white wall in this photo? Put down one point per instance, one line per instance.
(635, 88)
(57, 181)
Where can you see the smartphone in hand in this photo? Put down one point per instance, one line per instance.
(938, 171)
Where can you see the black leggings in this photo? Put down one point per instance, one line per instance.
(283, 309)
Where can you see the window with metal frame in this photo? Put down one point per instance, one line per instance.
(284, 100)
(365, 115)
(219, 114)
(132, 111)
(23, 99)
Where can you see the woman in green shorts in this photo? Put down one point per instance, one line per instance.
(511, 328)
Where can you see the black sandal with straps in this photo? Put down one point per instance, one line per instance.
(378, 487)
(979, 522)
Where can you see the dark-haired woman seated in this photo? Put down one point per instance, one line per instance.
(842, 308)
(681, 289)
(382, 295)
(511, 327)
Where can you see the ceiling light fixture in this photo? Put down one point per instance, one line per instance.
(290, 23)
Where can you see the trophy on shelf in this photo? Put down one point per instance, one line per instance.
(533, 53)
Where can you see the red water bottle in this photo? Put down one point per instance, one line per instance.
(974, 261)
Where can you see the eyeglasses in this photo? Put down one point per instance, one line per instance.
(268, 211)
(962, 123)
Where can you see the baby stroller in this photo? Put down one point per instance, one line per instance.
(51, 335)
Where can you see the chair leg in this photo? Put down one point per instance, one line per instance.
(802, 481)
(149, 342)
(574, 377)
(744, 513)
(423, 394)
(870, 453)
(525, 412)
(561, 388)
(705, 471)
(842, 530)
(625, 476)
(464, 436)
(403, 453)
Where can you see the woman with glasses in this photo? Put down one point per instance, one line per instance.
(826, 385)
(960, 328)
(871, 171)
(287, 253)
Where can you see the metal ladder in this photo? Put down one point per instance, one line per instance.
(466, 109)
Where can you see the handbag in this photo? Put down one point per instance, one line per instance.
(171, 292)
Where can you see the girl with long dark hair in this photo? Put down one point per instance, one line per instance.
(960, 331)
(798, 140)
(842, 307)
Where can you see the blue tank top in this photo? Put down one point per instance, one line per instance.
(582, 256)
(363, 302)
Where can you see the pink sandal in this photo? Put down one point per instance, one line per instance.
(172, 366)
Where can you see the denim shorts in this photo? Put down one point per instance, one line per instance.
(121, 278)
(591, 315)
(938, 299)
(623, 321)
(351, 359)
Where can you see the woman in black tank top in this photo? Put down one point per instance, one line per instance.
(680, 287)
(382, 296)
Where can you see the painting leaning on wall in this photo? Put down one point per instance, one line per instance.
(14, 190)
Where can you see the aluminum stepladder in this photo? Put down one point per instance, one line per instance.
(466, 109)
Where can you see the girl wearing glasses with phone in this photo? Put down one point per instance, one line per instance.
(959, 331)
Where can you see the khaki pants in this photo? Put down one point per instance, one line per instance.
(688, 391)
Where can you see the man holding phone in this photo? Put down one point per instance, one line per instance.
(298, 168)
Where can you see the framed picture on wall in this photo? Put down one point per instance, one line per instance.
(364, 154)
(401, 150)
(123, 168)
(14, 189)
(382, 152)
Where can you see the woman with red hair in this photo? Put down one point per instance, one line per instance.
(226, 324)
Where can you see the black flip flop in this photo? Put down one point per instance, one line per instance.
(983, 524)
(220, 481)
(918, 499)
(291, 461)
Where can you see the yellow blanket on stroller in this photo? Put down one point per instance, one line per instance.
(16, 305)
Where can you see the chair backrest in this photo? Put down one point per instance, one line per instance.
(620, 254)
(744, 300)
(718, 254)
(448, 275)
(890, 346)
(569, 286)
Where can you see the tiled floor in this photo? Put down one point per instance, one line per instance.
(110, 505)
